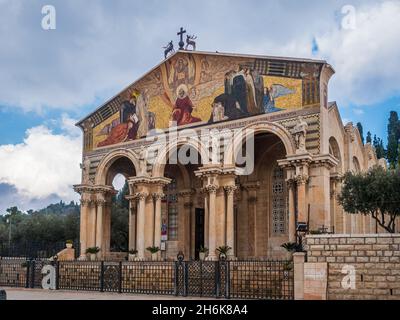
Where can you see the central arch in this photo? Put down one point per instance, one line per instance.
(257, 128)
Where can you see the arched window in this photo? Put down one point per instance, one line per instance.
(279, 219)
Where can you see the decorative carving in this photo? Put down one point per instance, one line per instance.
(168, 48)
(301, 179)
(142, 162)
(290, 183)
(299, 133)
(141, 196)
(158, 196)
(252, 200)
(211, 188)
(85, 171)
(230, 190)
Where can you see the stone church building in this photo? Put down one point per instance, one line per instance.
(176, 133)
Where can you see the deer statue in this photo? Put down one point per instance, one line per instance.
(168, 48)
(190, 42)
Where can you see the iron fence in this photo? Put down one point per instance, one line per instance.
(34, 249)
(221, 279)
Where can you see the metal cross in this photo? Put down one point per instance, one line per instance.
(181, 43)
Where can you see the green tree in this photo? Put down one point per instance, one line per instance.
(379, 148)
(369, 139)
(361, 131)
(393, 139)
(375, 193)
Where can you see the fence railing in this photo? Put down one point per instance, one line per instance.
(34, 249)
(225, 279)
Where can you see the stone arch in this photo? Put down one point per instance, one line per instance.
(109, 159)
(162, 158)
(334, 150)
(260, 127)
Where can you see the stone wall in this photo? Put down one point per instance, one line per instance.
(375, 257)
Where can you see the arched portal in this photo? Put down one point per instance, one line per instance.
(181, 206)
(114, 225)
(262, 207)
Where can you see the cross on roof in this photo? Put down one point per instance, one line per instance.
(181, 43)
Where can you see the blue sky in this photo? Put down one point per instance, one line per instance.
(49, 79)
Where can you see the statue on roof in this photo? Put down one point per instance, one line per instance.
(168, 48)
(190, 42)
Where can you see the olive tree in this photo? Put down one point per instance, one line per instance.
(375, 193)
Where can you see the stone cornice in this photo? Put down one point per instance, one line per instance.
(326, 160)
(296, 160)
(161, 181)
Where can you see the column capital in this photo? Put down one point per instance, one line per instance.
(290, 183)
(211, 188)
(230, 190)
(158, 195)
(141, 196)
(301, 179)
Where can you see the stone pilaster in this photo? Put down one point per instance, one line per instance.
(252, 188)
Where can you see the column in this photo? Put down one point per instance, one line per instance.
(132, 222)
(100, 202)
(91, 228)
(206, 219)
(212, 237)
(230, 220)
(157, 220)
(149, 224)
(292, 215)
(83, 225)
(107, 225)
(301, 181)
(141, 207)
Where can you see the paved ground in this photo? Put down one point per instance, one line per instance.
(40, 294)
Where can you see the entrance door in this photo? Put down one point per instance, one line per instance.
(199, 231)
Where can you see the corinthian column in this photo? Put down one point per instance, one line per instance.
(141, 198)
(100, 202)
(230, 220)
(212, 237)
(157, 221)
(83, 224)
(301, 181)
(292, 216)
(132, 222)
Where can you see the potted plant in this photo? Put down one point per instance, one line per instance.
(153, 250)
(132, 254)
(69, 244)
(203, 252)
(292, 247)
(92, 251)
(223, 252)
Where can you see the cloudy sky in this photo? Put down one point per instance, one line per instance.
(49, 79)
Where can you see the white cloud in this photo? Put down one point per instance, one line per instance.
(44, 165)
(366, 59)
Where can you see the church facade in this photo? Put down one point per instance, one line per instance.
(221, 150)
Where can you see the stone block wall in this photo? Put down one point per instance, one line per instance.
(375, 257)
